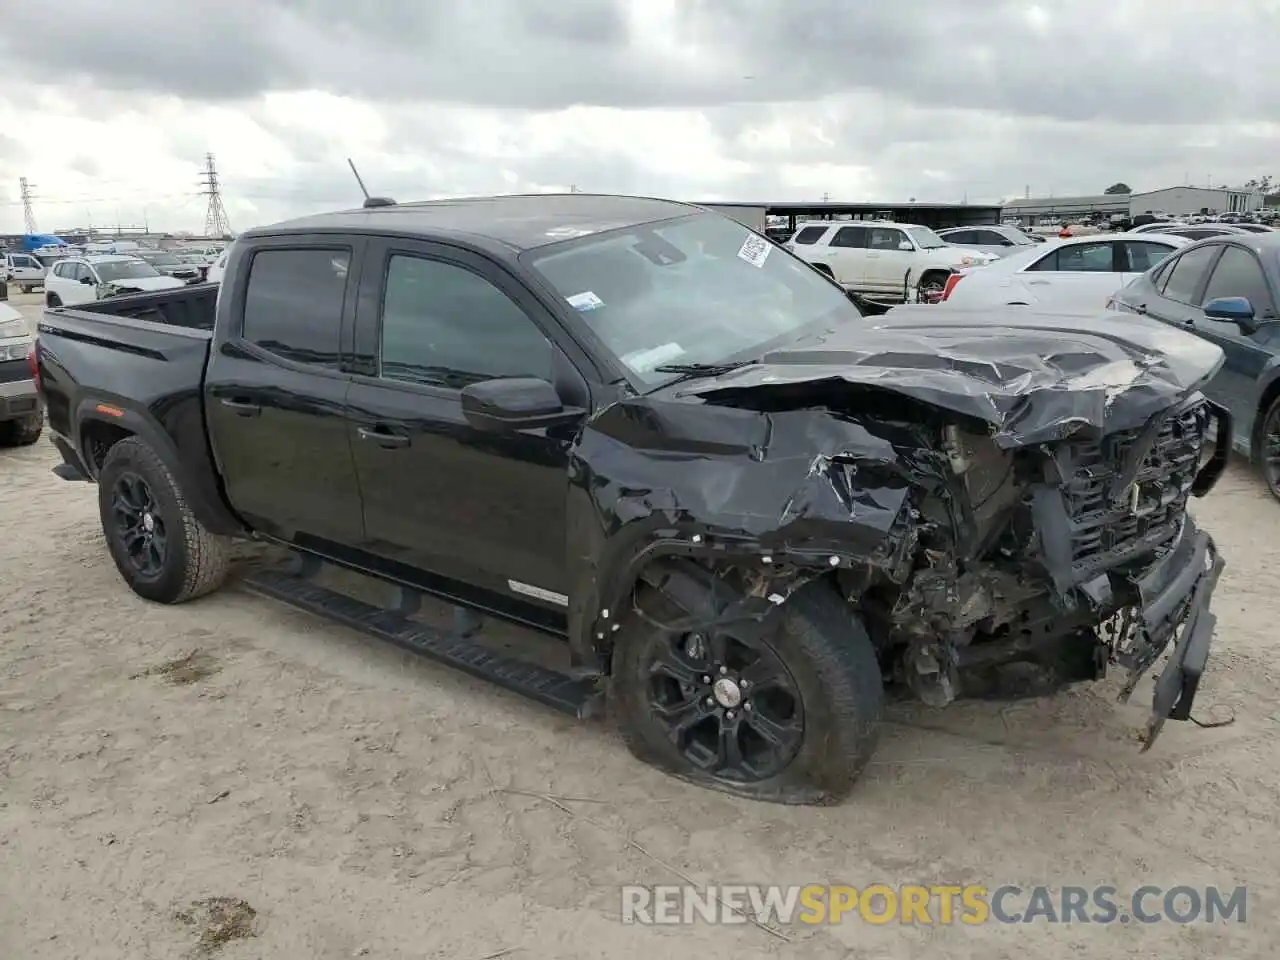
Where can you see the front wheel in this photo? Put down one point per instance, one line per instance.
(1269, 447)
(159, 546)
(52, 300)
(785, 710)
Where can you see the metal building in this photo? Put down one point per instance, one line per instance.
(1184, 201)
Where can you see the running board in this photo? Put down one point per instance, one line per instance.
(577, 697)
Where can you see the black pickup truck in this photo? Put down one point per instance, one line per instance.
(750, 509)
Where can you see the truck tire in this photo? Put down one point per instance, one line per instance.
(21, 432)
(160, 548)
(933, 282)
(817, 692)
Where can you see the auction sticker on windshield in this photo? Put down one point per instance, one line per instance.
(586, 300)
(755, 250)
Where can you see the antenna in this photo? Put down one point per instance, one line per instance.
(369, 202)
(357, 176)
(28, 215)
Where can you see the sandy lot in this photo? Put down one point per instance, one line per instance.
(237, 779)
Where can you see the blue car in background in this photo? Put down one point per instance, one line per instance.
(1227, 289)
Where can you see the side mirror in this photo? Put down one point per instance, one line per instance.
(1006, 242)
(515, 403)
(905, 245)
(87, 281)
(1237, 310)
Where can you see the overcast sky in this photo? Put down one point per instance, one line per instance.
(109, 106)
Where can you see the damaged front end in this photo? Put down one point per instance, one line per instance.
(1004, 510)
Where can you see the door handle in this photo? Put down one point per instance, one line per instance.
(390, 441)
(242, 408)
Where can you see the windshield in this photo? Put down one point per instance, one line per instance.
(124, 270)
(925, 238)
(699, 290)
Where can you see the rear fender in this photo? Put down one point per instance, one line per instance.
(199, 485)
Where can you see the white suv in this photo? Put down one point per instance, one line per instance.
(883, 258)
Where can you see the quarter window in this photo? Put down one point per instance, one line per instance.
(293, 305)
(444, 326)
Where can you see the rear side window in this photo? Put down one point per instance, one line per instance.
(1188, 273)
(959, 236)
(1141, 255)
(853, 237)
(293, 305)
(810, 235)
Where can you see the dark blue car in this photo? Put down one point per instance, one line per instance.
(1226, 289)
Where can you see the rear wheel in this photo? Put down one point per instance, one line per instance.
(786, 709)
(1269, 447)
(21, 432)
(158, 545)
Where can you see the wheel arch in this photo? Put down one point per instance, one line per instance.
(100, 426)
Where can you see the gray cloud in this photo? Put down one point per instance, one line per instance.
(1131, 60)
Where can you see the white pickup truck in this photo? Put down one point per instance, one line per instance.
(21, 270)
(886, 259)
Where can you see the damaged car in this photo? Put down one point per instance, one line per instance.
(752, 511)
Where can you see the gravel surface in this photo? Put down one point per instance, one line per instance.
(238, 779)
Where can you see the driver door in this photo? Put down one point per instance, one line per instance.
(484, 508)
(887, 262)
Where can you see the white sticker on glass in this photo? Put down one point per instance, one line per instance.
(586, 300)
(755, 250)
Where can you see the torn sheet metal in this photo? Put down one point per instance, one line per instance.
(1033, 377)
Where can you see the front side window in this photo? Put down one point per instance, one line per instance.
(1238, 274)
(925, 238)
(293, 303)
(700, 289)
(881, 238)
(1188, 273)
(444, 326)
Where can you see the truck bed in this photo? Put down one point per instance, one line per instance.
(192, 307)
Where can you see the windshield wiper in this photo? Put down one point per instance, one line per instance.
(691, 371)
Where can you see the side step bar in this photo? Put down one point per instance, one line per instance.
(577, 697)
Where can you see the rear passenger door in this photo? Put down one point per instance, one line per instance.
(479, 508)
(275, 397)
(847, 256)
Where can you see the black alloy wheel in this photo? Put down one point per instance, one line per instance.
(726, 701)
(1269, 444)
(138, 525)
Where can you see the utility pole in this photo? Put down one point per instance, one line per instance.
(826, 197)
(28, 194)
(216, 223)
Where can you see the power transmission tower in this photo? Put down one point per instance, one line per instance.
(28, 194)
(216, 223)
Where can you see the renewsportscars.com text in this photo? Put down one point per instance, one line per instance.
(932, 904)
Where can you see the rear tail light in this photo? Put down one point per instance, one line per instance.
(951, 284)
(33, 362)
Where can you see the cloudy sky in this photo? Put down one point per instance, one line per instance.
(109, 106)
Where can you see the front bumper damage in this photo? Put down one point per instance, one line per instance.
(1174, 612)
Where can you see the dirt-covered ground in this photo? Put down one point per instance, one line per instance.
(237, 779)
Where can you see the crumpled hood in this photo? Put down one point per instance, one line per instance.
(1034, 376)
(147, 284)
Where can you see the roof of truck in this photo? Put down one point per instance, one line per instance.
(520, 222)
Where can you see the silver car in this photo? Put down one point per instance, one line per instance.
(1000, 240)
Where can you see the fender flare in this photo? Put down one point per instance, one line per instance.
(200, 491)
